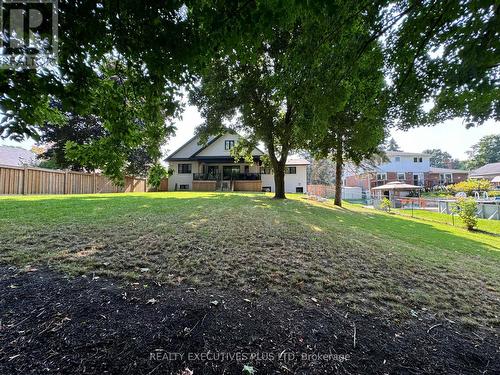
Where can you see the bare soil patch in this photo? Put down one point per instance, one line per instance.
(53, 323)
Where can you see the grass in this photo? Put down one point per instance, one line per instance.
(352, 258)
(492, 226)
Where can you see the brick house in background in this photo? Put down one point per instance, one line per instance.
(446, 176)
(408, 167)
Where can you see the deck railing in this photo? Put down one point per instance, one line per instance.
(219, 176)
(206, 176)
(242, 176)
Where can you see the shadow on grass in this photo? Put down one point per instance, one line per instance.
(316, 215)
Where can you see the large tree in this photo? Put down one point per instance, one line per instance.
(122, 61)
(355, 132)
(263, 85)
(247, 97)
(84, 130)
(487, 150)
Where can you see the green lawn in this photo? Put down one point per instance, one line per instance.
(353, 258)
(492, 226)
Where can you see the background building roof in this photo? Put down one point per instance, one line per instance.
(17, 156)
(488, 169)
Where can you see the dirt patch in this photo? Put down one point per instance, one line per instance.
(51, 323)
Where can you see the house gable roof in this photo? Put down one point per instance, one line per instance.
(191, 150)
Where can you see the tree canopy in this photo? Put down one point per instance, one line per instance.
(486, 151)
(442, 159)
(84, 130)
(392, 145)
(126, 61)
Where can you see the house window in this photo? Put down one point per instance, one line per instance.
(264, 170)
(184, 187)
(445, 178)
(381, 176)
(420, 160)
(397, 158)
(417, 160)
(266, 189)
(290, 170)
(299, 189)
(184, 168)
(401, 177)
(228, 145)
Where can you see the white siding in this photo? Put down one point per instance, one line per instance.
(182, 178)
(406, 164)
(292, 181)
(188, 150)
(217, 148)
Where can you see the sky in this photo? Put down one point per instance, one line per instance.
(450, 136)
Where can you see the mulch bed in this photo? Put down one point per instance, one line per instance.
(51, 323)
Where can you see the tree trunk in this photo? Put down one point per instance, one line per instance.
(279, 180)
(338, 174)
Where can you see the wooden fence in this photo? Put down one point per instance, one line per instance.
(328, 191)
(30, 180)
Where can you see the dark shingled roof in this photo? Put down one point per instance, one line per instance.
(488, 169)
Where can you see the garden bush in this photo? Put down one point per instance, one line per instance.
(385, 204)
(470, 186)
(156, 174)
(466, 209)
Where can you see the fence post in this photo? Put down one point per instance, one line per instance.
(94, 181)
(66, 182)
(25, 181)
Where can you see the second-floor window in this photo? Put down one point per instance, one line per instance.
(184, 168)
(290, 170)
(381, 176)
(417, 160)
(228, 145)
(401, 176)
(397, 159)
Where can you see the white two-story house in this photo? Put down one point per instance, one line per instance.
(210, 167)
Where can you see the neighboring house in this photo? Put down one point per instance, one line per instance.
(445, 176)
(488, 171)
(210, 167)
(408, 167)
(17, 157)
